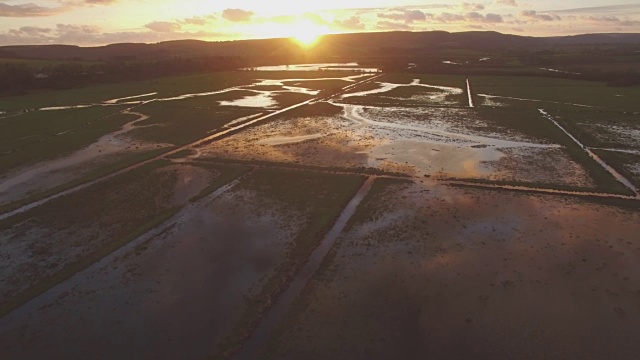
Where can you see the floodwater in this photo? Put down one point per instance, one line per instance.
(491, 101)
(432, 271)
(606, 166)
(260, 100)
(40, 176)
(274, 317)
(386, 87)
(282, 140)
(316, 67)
(113, 101)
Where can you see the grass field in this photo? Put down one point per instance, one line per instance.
(321, 197)
(44, 135)
(165, 87)
(553, 91)
(54, 241)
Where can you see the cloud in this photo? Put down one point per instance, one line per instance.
(472, 6)
(610, 20)
(535, 16)
(93, 35)
(619, 9)
(163, 26)
(352, 23)
(29, 10)
(198, 20)
(237, 15)
(446, 17)
(507, 2)
(479, 18)
(406, 16)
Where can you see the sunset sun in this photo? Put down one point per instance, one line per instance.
(307, 33)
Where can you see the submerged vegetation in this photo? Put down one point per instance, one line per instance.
(239, 176)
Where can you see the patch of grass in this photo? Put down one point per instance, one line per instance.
(227, 174)
(289, 99)
(96, 224)
(82, 263)
(180, 125)
(597, 128)
(110, 168)
(90, 222)
(457, 81)
(541, 128)
(622, 162)
(44, 135)
(528, 184)
(328, 194)
(315, 109)
(165, 87)
(552, 90)
(319, 84)
(294, 166)
(611, 201)
(181, 154)
(366, 210)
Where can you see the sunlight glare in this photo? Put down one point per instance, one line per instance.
(307, 33)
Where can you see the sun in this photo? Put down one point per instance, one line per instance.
(307, 33)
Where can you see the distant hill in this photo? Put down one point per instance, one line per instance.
(332, 45)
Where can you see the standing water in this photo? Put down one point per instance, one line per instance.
(276, 314)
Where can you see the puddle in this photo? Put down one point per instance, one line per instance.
(42, 175)
(386, 87)
(52, 108)
(260, 100)
(493, 97)
(282, 140)
(113, 101)
(251, 348)
(430, 158)
(355, 114)
(560, 71)
(316, 67)
(191, 181)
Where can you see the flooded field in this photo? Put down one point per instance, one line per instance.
(321, 211)
(430, 271)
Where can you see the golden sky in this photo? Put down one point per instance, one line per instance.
(98, 22)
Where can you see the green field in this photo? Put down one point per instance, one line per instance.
(553, 91)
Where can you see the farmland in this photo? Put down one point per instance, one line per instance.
(321, 214)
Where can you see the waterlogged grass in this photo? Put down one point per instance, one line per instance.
(64, 236)
(456, 81)
(369, 209)
(322, 197)
(289, 99)
(315, 109)
(165, 87)
(111, 167)
(319, 84)
(171, 123)
(225, 175)
(294, 166)
(44, 135)
(628, 165)
(605, 129)
(553, 91)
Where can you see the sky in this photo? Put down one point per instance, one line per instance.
(100, 22)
